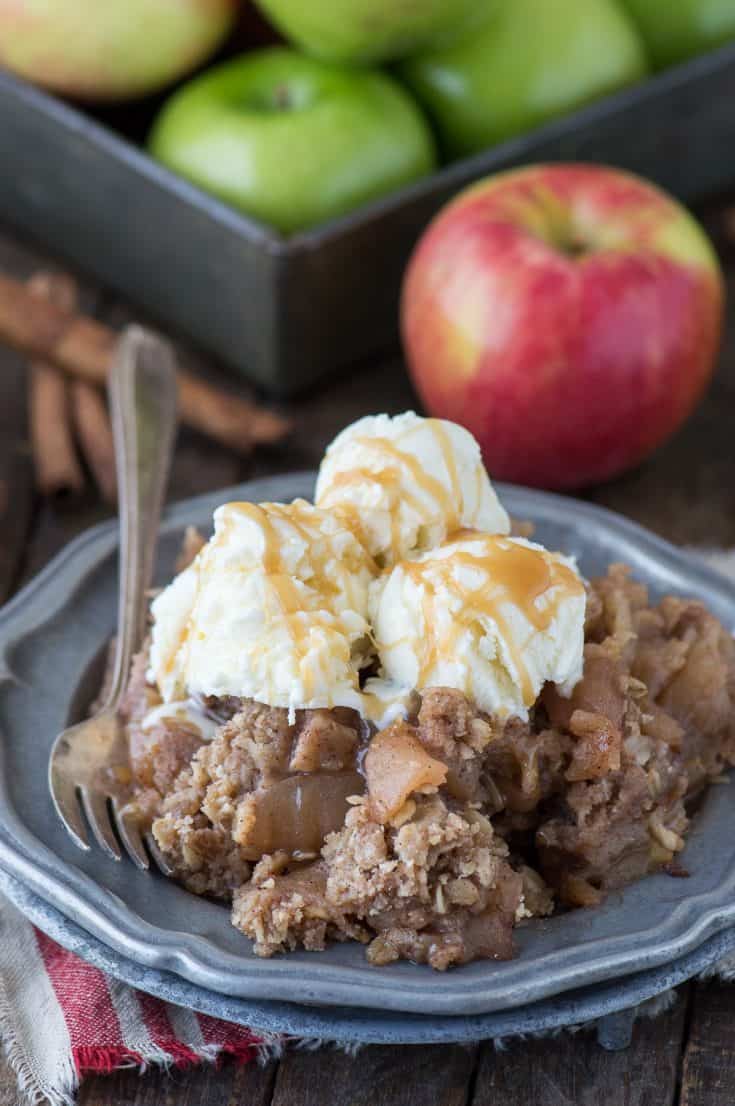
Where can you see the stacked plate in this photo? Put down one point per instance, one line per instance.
(581, 966)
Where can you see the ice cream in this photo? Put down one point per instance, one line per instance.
(406, 483)
(494, 616)
(274, 608)
(405, 559)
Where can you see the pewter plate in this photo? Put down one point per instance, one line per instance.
(51, 640)
(611, 1008)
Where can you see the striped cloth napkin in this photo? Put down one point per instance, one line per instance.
(61, 1018)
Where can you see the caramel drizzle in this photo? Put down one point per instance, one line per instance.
(514, 575)
(182, 639)
(437, 496)
(290, 603)
(184, 635)
(452, 498)
(286, 600)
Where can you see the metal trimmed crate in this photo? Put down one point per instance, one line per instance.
(286, 311)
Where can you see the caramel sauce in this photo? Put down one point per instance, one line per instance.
(430, 497)
(284, 599)
(386, 478)
(513, 575)
(181, 641)
(288, 601)
(184, 635)
(455, 490)
(438, 497)
(351, 517)
(433, 488)
(389, 479)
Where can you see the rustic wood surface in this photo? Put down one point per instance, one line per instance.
(686, 493)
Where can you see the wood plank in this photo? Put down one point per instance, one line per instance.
(687, 492)
(19, 257)
(227, 1084)
(55, 524)
(319, 416)
(200, 465)
(376, 1076)
(708, 1068)
(332, 405)
(34, 530)
(572, 1069)
(16, 465)
(16, 471)
(51, 525)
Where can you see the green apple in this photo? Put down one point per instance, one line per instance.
(367, 30)
(291, 140)
(676, 29)
(529, 61)
(110, 49)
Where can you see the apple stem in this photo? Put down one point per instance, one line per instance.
(575, 248)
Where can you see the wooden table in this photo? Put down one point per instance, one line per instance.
(686, 493)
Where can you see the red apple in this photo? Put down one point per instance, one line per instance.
(110, 49)
(568, 315)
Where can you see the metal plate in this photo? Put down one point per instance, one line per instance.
(50, 637)
(608, 1007)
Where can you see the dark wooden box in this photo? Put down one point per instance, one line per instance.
(286, 311)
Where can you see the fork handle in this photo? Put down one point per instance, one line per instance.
(142, 393)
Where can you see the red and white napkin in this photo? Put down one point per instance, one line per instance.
(61, 1018)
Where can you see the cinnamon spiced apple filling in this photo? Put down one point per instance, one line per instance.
(383, 719)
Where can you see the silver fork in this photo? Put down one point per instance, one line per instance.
(89, 762)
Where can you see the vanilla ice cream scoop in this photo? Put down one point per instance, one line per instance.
(274, 608)
(494, 616)
(406, 483)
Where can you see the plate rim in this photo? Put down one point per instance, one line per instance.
(190, 955)
(344, 1025)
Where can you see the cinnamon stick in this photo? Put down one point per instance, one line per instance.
(57, 468)
(84, 347)
(94, 433)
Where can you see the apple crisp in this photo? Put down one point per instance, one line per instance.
(429, 839)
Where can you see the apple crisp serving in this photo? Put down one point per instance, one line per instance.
(431, 839)
(441, 730)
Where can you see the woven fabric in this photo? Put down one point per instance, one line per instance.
(61, 1018)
